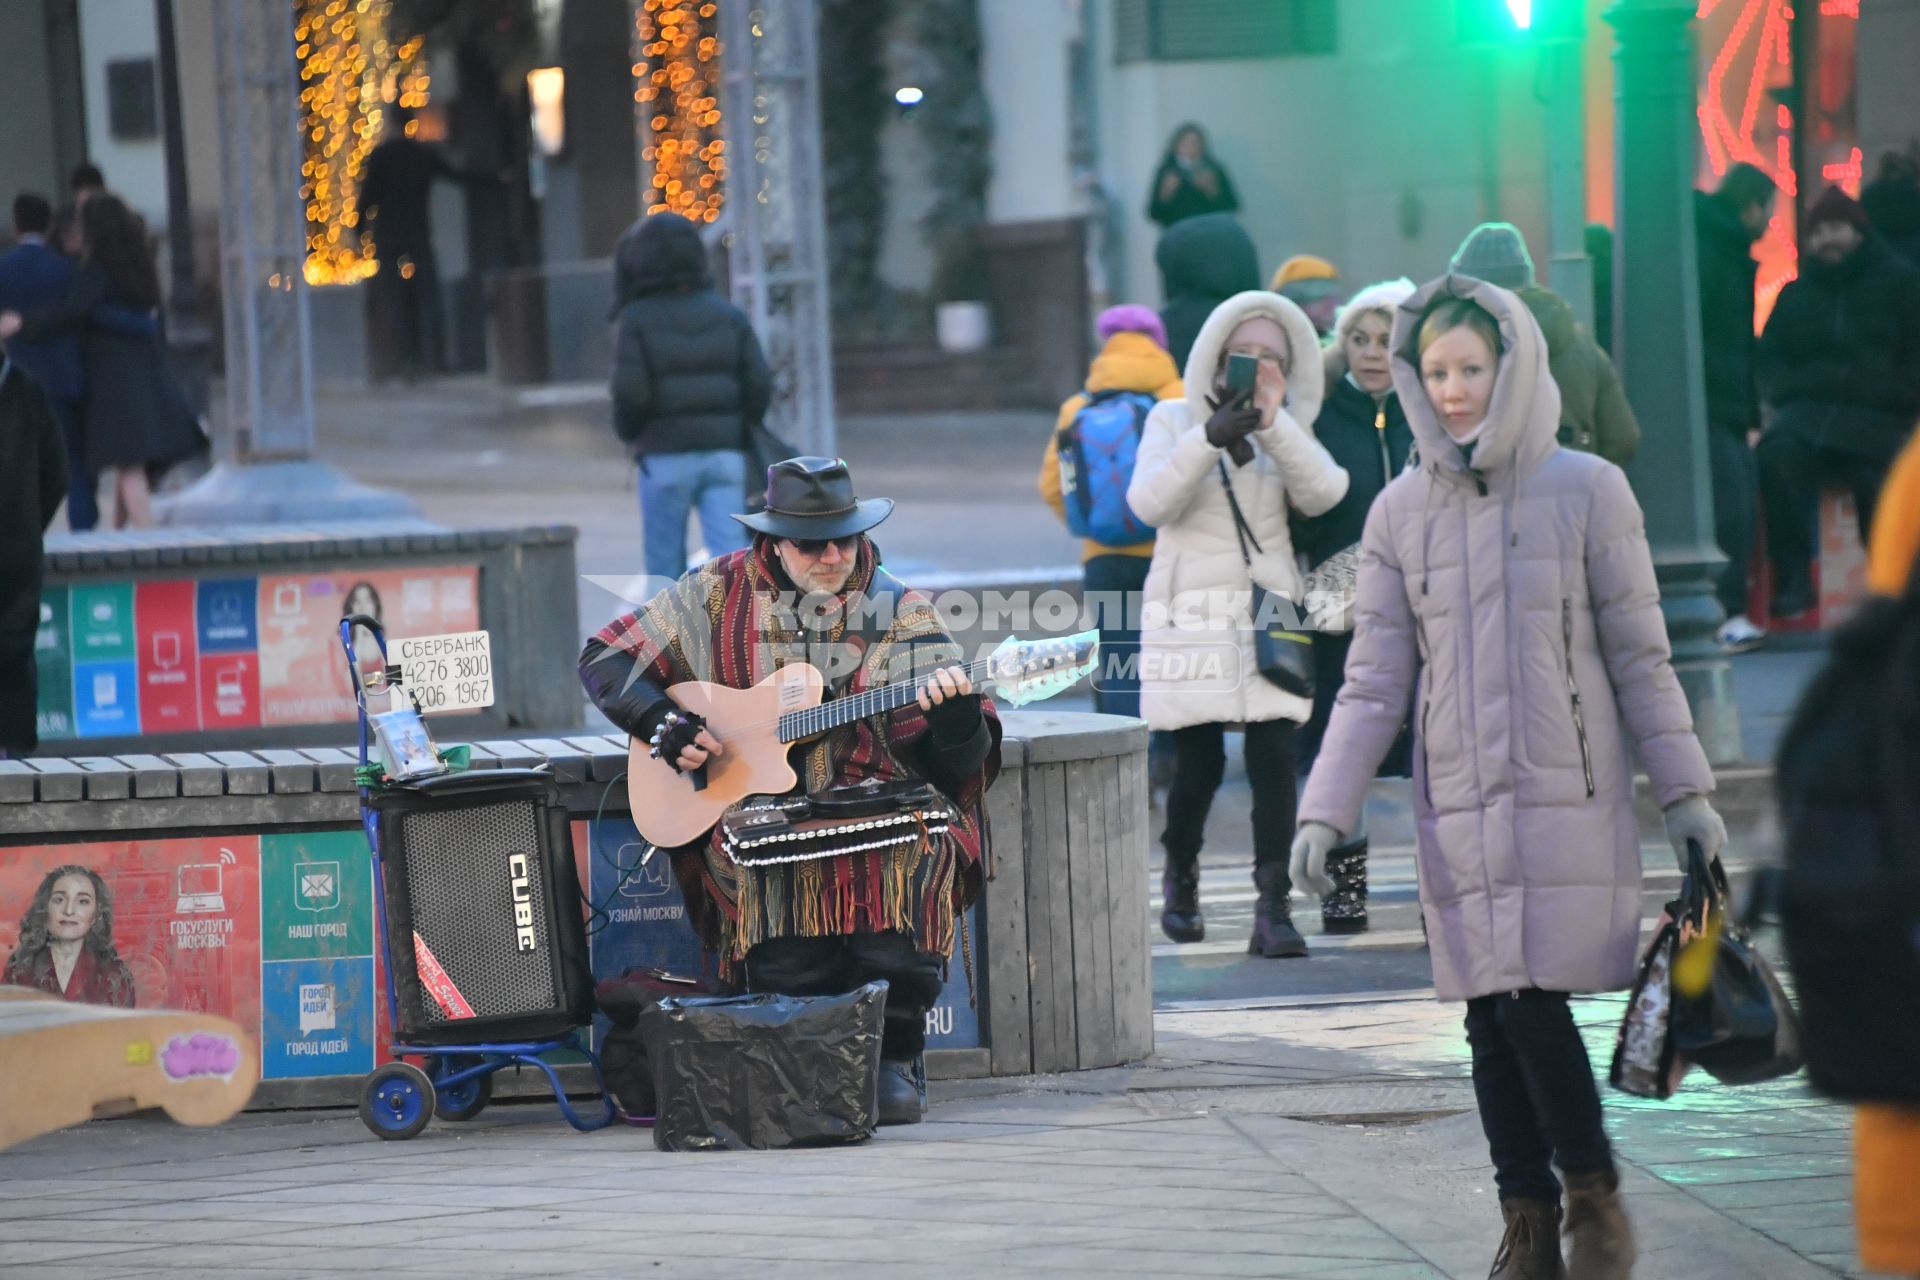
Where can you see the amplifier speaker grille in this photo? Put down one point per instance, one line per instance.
(461, 892)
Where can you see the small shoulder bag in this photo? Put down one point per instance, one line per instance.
(1284, 656)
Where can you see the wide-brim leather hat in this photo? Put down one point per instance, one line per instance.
(810, 498)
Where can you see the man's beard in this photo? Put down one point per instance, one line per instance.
(824, 580)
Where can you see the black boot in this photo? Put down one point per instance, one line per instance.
(1180, 917)
(903, 1091)
(1345, 909)
(1273, 933)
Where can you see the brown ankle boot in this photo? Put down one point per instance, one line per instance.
(1600, 1244)
(1531, 1248)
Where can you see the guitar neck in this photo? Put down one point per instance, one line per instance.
(814, 721)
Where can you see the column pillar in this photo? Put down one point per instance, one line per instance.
(268, 474)
(777, 206)
(1657, 314)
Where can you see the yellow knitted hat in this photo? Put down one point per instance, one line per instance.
(1303, 266)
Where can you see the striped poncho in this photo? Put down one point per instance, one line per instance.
(731, 622)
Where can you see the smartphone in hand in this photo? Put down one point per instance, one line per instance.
(1241, 373)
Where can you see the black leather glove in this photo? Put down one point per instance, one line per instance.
(673, 733)
(1233, 419)
(1232, 422)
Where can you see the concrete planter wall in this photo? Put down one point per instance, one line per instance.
(1059, 958)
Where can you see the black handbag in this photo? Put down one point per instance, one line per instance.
(1283, 653)
(1741, 1028)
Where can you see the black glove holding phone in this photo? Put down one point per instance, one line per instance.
(1235, 417)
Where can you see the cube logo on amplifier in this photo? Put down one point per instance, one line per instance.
(522, 884)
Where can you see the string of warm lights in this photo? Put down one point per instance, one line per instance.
(676, 73)
(350, 70)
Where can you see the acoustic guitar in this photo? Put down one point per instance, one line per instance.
(757, 726)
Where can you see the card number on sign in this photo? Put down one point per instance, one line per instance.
(447, 673)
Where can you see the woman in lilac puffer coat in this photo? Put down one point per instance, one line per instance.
(1512, 579)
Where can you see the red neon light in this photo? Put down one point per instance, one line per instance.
(1846, 173)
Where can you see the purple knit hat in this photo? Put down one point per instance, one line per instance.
(1133, 318)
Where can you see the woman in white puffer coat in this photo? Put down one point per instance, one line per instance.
(1198, 673)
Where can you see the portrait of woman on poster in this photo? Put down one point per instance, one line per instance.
(66, 942)
(363, 599)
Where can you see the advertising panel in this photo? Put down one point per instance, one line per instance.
(302, 677)
(53, 658)
(168, 661)
(119, 659)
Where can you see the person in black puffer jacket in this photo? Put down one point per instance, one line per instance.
(1840, 370)
(1892, 202)
(1203, 261)
(1726, 223)
(1361, 425)
(689, 379)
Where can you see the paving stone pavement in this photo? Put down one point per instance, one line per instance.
(1194, 1163)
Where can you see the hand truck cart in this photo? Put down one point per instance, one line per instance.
(477, 867)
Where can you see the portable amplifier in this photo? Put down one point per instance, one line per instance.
(483, 920)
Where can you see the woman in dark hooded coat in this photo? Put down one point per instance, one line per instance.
(1190, 181)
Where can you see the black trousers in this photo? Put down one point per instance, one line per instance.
(1794, 464)
(1538, 1102)
(1112, 586)
(1736, 485)
(1200, 762)
(835, 966)
(406, 291)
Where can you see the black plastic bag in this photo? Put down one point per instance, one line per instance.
(1741, 1029)
(624, 1061)
(762, 1072)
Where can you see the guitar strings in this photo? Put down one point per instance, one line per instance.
(816, 719)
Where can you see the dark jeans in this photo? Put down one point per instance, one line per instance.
(835, 966)
(1538, 1102)
(1330, 650)
(1736, 483)
(1200, 761)
(1794, 464)
(83, 501)
(1116, 685)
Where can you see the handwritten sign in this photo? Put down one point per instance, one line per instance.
(447, 673)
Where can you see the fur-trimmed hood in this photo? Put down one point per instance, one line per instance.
(1384, 296)
(1306, 385)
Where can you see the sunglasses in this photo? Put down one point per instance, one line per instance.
(818, 546)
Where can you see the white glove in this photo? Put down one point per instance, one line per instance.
(1694, 819)
(1308, 869)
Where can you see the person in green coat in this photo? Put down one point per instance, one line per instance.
(1594, 414)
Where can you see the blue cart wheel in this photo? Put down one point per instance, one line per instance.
(465, 1100)
(397, 1101)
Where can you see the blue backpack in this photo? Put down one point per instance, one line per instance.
(1097, 450)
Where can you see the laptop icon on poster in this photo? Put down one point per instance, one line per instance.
(199, 889)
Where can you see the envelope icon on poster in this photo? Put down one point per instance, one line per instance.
(316, 886)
